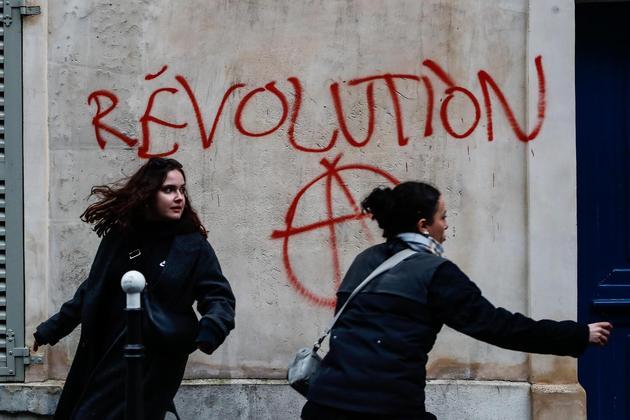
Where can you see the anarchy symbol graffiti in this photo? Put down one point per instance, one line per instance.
(333, 177)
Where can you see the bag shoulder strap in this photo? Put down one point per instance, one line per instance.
(384, 266)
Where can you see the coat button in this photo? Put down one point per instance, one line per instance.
(334, 337)
(378, 341)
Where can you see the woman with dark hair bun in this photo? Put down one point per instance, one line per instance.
(375, 368)
(148, 224)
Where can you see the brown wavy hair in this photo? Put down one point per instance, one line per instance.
(124, 202)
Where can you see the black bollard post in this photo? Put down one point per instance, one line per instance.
(132, 284)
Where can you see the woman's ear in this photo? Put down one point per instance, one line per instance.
(422, 226)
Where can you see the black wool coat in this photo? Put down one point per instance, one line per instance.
(191, 273)
(379, 346)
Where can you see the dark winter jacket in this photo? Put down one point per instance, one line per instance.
(379, 346)
(191, 273)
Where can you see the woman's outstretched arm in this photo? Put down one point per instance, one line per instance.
(63, 322)
(458, 302)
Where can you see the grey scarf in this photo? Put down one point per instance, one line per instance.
(421, 242)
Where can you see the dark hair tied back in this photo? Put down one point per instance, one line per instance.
(380, 204)
(399, 209)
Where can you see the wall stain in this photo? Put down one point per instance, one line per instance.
(448, 368)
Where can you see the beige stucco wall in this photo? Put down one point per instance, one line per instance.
(505, 233)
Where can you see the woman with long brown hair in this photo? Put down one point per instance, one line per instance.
(148, 224)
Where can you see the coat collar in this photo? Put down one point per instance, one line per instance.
(180, 258)
(179, 261)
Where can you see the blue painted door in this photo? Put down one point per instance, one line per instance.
(603, 192)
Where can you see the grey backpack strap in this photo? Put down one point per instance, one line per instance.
(385, 265)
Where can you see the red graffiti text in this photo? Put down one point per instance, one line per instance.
(439, 87)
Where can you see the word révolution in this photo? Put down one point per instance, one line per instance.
(106, 102)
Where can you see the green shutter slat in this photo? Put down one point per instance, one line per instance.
(11, 195)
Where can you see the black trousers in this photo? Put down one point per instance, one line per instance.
(314, 411)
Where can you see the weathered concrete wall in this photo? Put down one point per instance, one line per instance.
(244, 185)
(307, 106)
(271, 399)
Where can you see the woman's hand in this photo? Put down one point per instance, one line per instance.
(205, 347)
(599, 332)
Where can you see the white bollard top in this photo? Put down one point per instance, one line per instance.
(133, 283)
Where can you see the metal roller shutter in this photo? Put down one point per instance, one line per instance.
(13, 352)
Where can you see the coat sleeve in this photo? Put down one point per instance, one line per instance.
(69, 316)
(64, 321)
(215, 301)
(458, 302)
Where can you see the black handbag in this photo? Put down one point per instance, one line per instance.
(168, 330)
(306, 361)
(165, 329)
